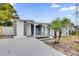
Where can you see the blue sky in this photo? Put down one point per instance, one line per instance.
(45, 12)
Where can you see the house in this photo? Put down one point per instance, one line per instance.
(29, 28)
(77, 27)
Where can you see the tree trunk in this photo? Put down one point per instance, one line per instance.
(55, 36)
(59, 36)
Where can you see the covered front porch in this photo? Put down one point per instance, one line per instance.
(40, 30)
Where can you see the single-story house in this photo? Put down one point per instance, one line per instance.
(29, 28)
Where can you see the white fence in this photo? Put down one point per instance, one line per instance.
(8, 31)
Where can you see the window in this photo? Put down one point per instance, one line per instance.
(14, 25)
(25, 27)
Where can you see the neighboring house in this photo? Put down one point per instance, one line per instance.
(77, 27)
(30, 28)
(72, 29)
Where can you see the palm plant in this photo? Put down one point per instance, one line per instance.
(65, 22)
(57, 25)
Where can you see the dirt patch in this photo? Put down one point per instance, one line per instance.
(6, 36)
(68, 45)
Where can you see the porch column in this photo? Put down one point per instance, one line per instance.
(45, 30)
(68, 30)
(34, 30)
(42, 30)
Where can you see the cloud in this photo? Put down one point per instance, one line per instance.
(68, 8)
(54, 6)
(68, 15)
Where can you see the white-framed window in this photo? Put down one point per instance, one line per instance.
(25, 28)
(14, 25)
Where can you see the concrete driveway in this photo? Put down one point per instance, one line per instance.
(26, 47)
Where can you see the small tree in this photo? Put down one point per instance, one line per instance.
(65, 22)
(55, 25)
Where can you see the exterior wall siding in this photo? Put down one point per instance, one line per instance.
(20, 30)
(28, 29)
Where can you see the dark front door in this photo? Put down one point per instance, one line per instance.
(32, 29)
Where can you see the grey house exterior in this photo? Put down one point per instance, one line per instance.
(30, 28)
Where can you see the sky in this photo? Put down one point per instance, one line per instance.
(45, 12)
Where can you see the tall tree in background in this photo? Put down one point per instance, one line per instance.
(7, 12)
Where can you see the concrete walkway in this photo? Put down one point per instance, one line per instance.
(26, 47)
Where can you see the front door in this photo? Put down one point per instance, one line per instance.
(32, 29)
